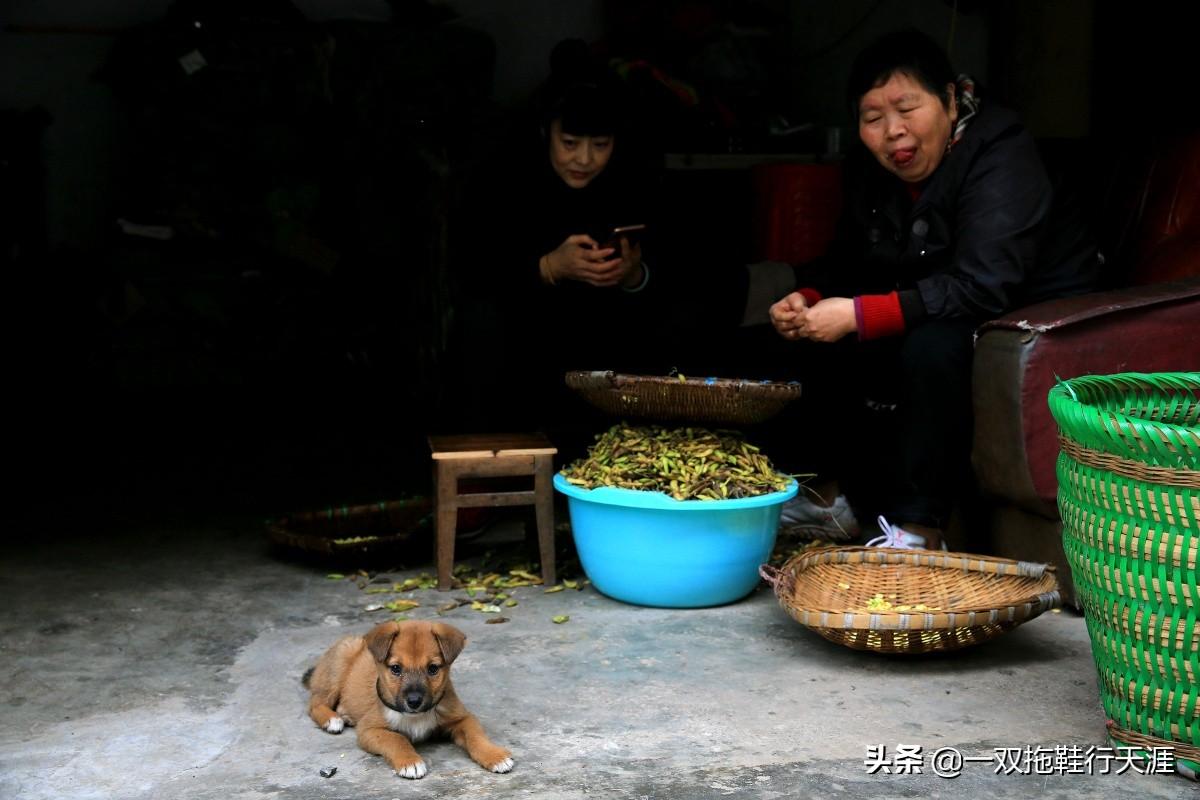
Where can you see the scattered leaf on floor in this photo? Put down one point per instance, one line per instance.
(553, 589)
(510, 602)
(520, 573)
(560, 619)
(495, 620)
(402, 605)
(448, 607)
(571, 584)
(335, 576)
(374, 607)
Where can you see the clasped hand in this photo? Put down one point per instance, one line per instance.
(580, 258)
(826, 321)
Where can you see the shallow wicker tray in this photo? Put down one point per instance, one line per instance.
(971, 598)
(726, 401)
(359, 530)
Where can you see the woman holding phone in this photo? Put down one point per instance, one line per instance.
(581, 144)
(565, 283)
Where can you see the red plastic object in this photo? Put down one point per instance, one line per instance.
(796, 210)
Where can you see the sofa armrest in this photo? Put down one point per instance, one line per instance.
(1071, 310)
(1019, 357)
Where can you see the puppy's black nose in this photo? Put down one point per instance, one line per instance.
(413, 700)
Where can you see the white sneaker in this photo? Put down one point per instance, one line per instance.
(802, 517)
(895, 536)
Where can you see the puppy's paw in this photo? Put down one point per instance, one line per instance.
(335, 725)
(413, 771)
(492, 758)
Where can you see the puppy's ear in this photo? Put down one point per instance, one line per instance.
(450, 640)
(379, 640)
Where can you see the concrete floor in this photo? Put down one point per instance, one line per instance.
(161, 658)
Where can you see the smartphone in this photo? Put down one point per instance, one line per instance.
(632, 234)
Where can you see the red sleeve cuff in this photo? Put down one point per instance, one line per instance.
(811, 296)
(878, 315)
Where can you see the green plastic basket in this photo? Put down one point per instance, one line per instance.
(1129, 495)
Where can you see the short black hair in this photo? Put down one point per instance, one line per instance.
(581, 93)
(910, 53)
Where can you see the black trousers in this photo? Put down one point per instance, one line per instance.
(889, 419)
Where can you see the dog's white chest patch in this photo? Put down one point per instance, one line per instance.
(415, 726)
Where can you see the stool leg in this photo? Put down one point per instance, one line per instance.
(543, 490)
(445, 481)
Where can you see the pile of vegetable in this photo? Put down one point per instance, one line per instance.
(685, 463)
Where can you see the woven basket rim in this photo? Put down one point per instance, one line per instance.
(1020, 608)
(1078, 406)
(348, 511)
(1138, 739)
(611, 379)
(716, 400)
(296, 529)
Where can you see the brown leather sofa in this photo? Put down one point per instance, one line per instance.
(1150, 322)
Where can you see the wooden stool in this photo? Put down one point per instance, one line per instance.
(494, 455)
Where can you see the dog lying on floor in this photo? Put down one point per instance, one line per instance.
(393, 685)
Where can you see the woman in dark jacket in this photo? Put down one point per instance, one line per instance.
(550, 288)
(950, 222)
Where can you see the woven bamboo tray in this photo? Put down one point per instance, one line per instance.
(1129, 495)
(968, 598)
(360, 530)
(726, 401)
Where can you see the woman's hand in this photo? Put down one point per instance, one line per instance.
(830, 319)
(579, 258)
(631, 265)
(787, 315)
(827, 321)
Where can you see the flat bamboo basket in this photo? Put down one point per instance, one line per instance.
(936, 600)
(727, 401)
(358, 530)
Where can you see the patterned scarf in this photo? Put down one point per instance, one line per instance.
(968, 107)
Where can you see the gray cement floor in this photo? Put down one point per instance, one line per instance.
(157, 659)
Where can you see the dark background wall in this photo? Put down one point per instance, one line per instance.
(297, 352)
(57, 46)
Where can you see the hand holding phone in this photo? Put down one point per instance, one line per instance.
(632, 234)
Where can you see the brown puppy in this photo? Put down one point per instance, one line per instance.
(393, 685)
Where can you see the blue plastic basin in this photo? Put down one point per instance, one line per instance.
(649, 549)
